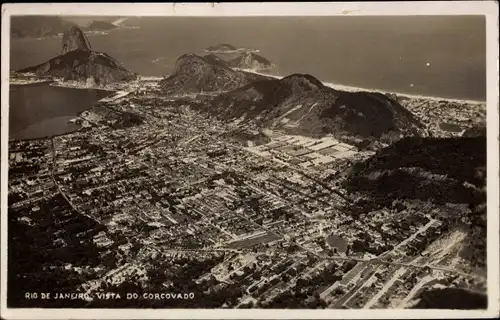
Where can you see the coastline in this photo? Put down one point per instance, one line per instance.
(30, 83)
(340, 87)
(77, 86)
(118, 22)
(118, 94)
(239, 50)
(357, 89)
(62, 123)
(66, 131)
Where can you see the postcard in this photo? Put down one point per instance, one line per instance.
(250, 161)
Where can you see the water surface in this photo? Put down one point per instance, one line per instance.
(442, 56)
(40, 110)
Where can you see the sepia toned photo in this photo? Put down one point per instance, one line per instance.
(300, 162)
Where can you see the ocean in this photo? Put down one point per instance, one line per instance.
(442, 56)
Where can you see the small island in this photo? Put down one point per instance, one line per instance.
(223, 47)
(227, 48)
(98, 25)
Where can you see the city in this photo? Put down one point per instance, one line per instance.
(164, 199)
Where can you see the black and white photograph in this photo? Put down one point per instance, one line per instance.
(293, 162)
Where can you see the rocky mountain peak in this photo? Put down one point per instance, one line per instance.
(250, 60)
(214, 59)
(221, 47)
(305, 81)
(74, 39)
(77, 62)
(194, 73)
(250, 56)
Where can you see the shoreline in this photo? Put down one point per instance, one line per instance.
(239, 50)
(47, 137)
(335, 86)
(75, 86)
(118, 22)
(342, 87)
(30, 83)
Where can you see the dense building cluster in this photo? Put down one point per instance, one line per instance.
(162, 198)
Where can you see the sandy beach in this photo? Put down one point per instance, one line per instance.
(119, 21)
(356, 89)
